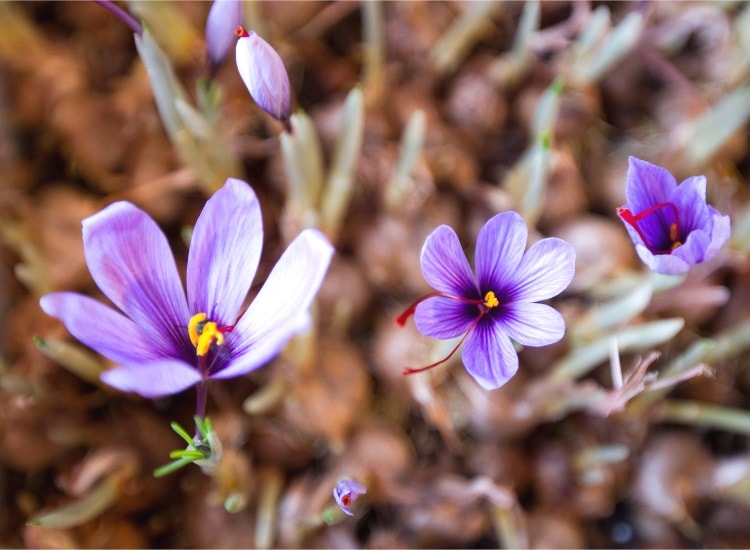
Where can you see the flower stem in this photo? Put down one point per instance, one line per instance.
(200, 404)
(122, 15)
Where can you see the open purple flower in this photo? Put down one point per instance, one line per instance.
(223, 18)
(671, 225)
(499, 302)
(264, 74)
(165, 342)
(346, 493)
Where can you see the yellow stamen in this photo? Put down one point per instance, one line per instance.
(675, 245)
(490, 300)
(203, 333)
(193, 329)
(209, 335)
(674, 233)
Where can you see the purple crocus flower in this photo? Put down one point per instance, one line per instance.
(346, 493)
(499, 302)
(671, 225)
(223, 18)
(264, 74)
(165, 342)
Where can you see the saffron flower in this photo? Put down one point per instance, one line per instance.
(165, 342)
(671, 225)
(264, 74)
(223, 18)
(346, 493)
(497, 304)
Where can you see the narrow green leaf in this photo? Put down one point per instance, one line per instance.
(640, 337)
(182, 433)
(172, 467)
(102, 497)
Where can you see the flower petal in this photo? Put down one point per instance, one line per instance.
(500, 245)
(130, 261)
(667, 264)
(690, 200)
(545, 271)
(444, 264)
(443, 318)
(104, 330)
(265, 76)
(647, 185)
(720, 234)
(532, 324)
(155, 379)
(693, 250)
(280, 309)
(489, 356)
(224, 252)
(262, 350)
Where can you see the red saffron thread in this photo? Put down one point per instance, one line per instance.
(674, 229)
(401, 320)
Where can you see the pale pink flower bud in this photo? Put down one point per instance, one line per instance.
(223, 18)
(264, 74)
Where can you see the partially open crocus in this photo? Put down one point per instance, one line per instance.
(264, 74)
(346, 493)
(223, 18)
(165, 342)
(497, 304)
(672, 226)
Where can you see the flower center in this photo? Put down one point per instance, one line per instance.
(674, 228)
(490, 300)
(203, 333)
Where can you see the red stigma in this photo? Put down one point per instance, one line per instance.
(346, 499)
(241, 32)
(401, 320)
(674, 229)
(409, 311)
(229, 328)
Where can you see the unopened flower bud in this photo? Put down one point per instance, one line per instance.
(264, 74)
(346, 493)
(223, 18)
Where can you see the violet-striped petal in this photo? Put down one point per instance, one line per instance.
(154, 379)
(532, 324)
(223, 18)
(444, 318)
(667, 264)
(500, 245)
(224, 252)
(278, 310)
(130, 261)
(256, 353)
(647, 185)
(104, 330)
(692, 251)
(264, 74)
(720, 234)
(690, 200)
(545, 270)
(444, 264)
(489, 356)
